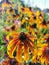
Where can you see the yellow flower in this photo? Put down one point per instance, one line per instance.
(39, 16)
(32, 28)
(19, 41)
(46, 38)
(10, 11)
(35, 58)
(37, 52)
(9, 17)
(6, 5)
(43, 25)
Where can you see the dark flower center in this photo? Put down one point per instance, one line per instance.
(13, 27)
(22, 9)
(47, 40)
(22, 36)
(47, 51)
(48, 22)
(14, 15)
(44, 22)
(28, 17)
(40, 15)
(34, 17)
(29, 8)
(34, 25)
(11, 9)
(34, 63)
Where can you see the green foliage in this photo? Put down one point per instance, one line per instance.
(46, 17)
(18, 2)
(1, 38)
(2, 51)
(22, 30)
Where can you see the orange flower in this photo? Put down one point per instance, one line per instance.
(40, 16)
(44, 52)
(32, 28)
(4, 5)
(46, 38)
(21, 41)
(10, 11)
(43, 24)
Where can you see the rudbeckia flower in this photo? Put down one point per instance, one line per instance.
(5, 3)
(39, 16)
(27, 11)
(43, 25)
(46, 38)
(35, 58)
(13, 27)
(10, 11)
(37, 52)
(32, 28)
(44, 55)
(21, 43)
(32, 19)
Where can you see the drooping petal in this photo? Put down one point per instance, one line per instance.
(26, 53)
(11, 48)
(46, 62)
(11, 43)
(19, 53)
(42, 60)
(30, 46)
(14, 34)
(14, 47)
(32, 42)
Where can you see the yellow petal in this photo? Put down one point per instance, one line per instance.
(11, 47)
(30, 46)
(13, 34)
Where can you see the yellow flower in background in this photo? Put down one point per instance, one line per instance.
(37, 55)
(10, 11)
(9, 17)
(27, 11)
(23, 21)
(43, 25)
(19, 41)
(10, 28)
(32, 20)
(4, 5)
(16, 24)
(35, 58)
(37, 51)
(39, 16)
(46, 39)
(40, 43)
(32, 29)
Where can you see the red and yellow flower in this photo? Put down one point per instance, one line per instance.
(44, 54)
(21, 42)
(46, 38)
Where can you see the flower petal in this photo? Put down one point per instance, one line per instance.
(11, 48)
(19, 53)
(26, 53)
(30, 46)
(14, 34)
(11, 43)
